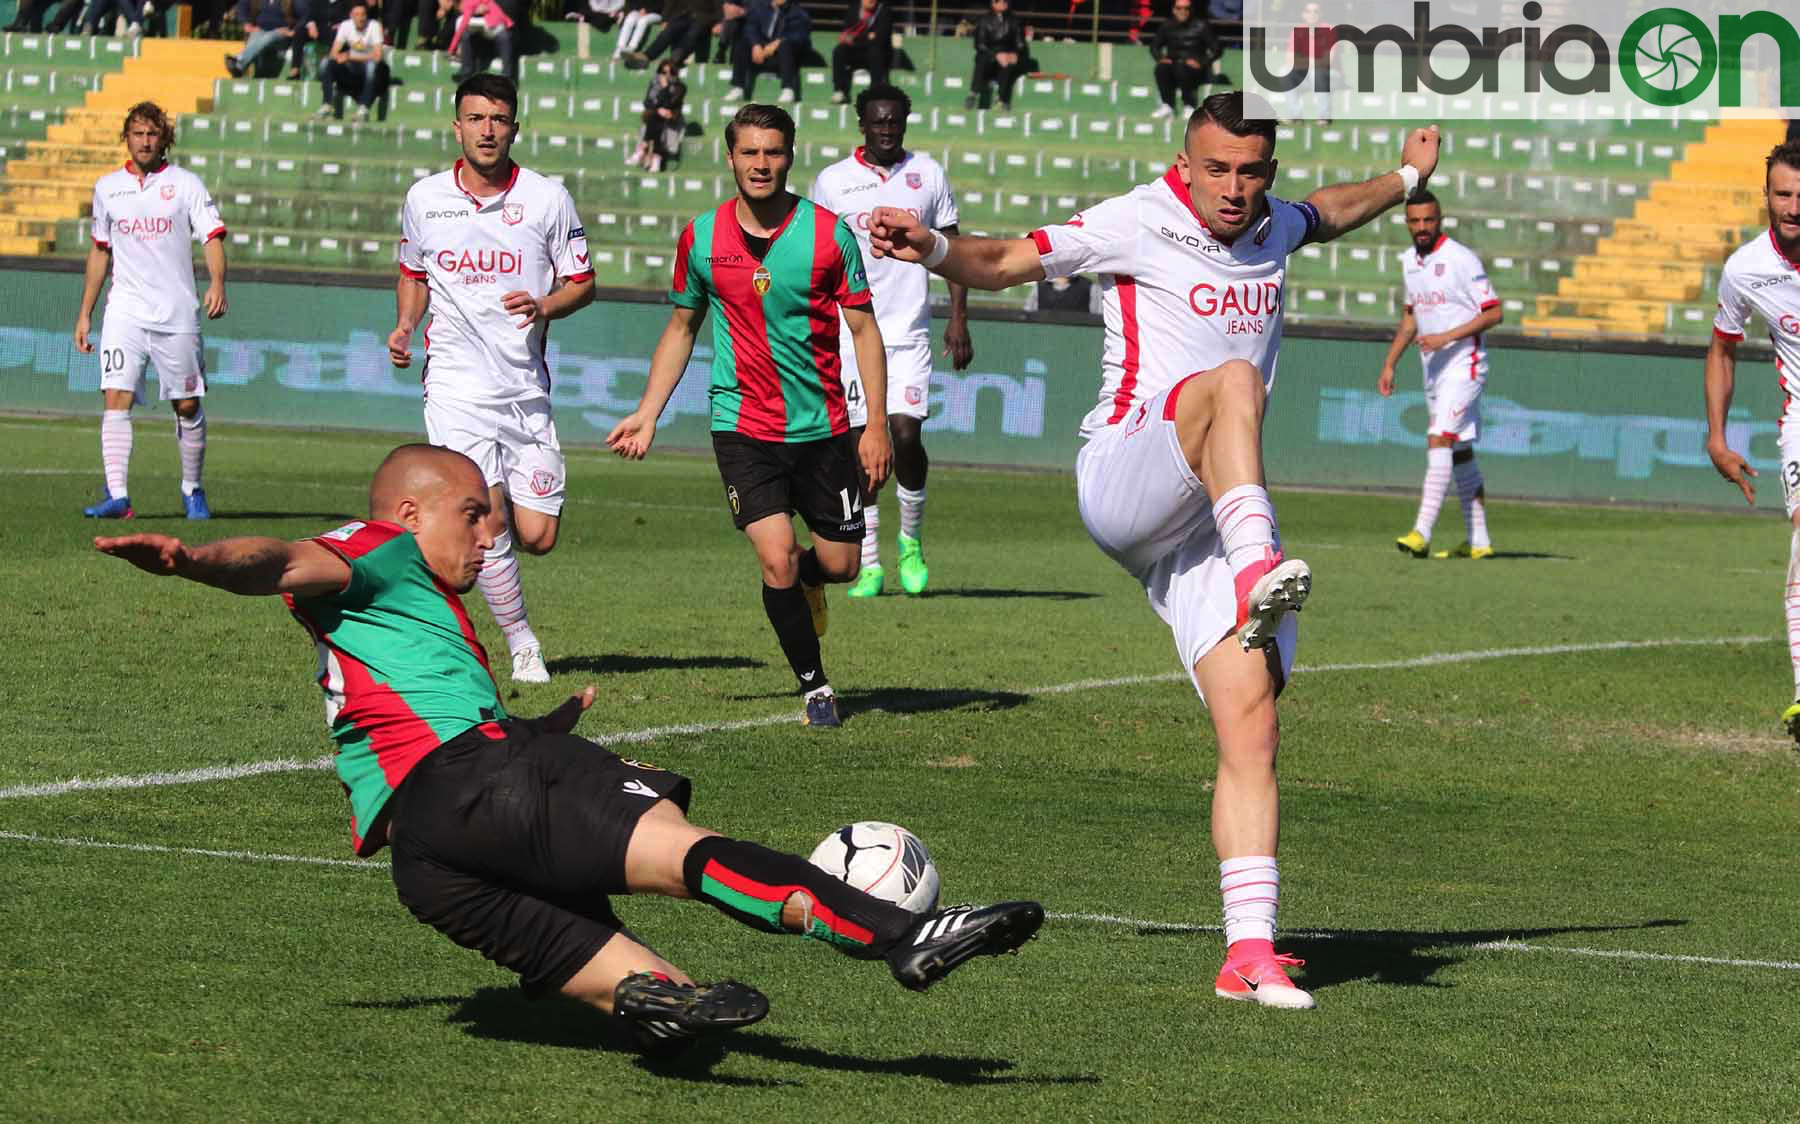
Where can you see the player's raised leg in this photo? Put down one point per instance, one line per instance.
(1240, 690)
(1218, 420)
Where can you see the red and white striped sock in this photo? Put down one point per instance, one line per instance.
(1793, 608)
(1437, 482)
(499, 582)
(1474, 508)
(115, 449)
(190, 438)
(871, 548)
(1251, 887)
(1246, 522)
(912, 510)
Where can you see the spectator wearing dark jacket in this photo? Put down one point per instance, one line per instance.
(686, 24)
(776, 33)
(1183, 49)
(999, 55)
(269, 25)
(867, 41)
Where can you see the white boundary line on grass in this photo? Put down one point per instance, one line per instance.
(627, 737)
(1090, 918)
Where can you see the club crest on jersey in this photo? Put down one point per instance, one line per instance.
(914, 180)
(1438, 269)
(168, 191)
(731, 494)
(914, 395)
(543, 482)
(761, 281)
(513, 213)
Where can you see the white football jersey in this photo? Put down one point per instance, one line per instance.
(150, 226)
(1447, 287)
(853, 187)
(1759, 276)
(1175, 298)
(358, 42)
(474, 251)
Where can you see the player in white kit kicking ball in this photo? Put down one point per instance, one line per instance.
(1170, 481)
(1449, 303)
(495, 252)
(1763, 276)
(147, 215)
(882, 173)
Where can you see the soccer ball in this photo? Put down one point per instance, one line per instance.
(881, 859)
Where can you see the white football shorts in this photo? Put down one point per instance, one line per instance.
(127, 346)
(514, 444)
(1455, 405)
(1146, 509)
(1790, 470)
(908, 388)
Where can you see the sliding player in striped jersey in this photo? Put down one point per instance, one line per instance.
(1170, 480)
(1763, 276)
(1449, 303)
(510, 835)
(776, 270)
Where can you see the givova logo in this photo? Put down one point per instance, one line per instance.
(1347, 58)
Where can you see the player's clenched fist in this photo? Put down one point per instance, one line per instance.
(894, 233)
(1421, 151)
(632, 437)
(155, 554)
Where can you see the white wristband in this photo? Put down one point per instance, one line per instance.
(1409, 176)
(940, 249)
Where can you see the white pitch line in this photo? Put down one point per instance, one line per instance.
(155, 849)
(628, 737)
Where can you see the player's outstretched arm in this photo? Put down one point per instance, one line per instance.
(1403, 335)
(1345, 206)
(252, 566)
(214, 301)
(99, 260)
(633, 436)
(1721, 380)
(979, 263)
(412, 297)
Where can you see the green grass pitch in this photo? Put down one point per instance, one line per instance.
(1554, 883)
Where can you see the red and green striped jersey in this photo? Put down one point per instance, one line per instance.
(775, 321)
(400, 665)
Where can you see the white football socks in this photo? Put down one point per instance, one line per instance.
(912, 510)
(1251, 887)
(1474, 508)
(115, 449)
(1793, 608)
(871, 546)
(1246, 522)
(499, 582)
(1437, 482)
(190, 438)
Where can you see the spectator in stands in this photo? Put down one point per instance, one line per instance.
(1227, 20)
(664, 123)
(600, 15)
(1183, 49)
(1064, 294)
(269, 25)
(354, 65)
(317, 19)
(776, 33)
(999, 55)
(727, 30)
(867, 42)
(635, 25)
(1313, 42)
(99, 19)
(684, 30)
(485, 25)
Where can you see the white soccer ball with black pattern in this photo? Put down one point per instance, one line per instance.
(882, 859)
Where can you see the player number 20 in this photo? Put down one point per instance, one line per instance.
(112, 359)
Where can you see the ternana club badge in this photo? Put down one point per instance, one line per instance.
(761, 280)
(914, 180)
(732, 495)
(513, 213)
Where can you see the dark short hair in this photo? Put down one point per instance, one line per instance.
(1422, 197)
(1787, 154)
(1228, 111)
(883, 92)
(493, 87)
(152, 115)
(758, 116)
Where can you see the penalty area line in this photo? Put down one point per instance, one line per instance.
(631, 737)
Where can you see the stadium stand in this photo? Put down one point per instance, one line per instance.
(1588, 226)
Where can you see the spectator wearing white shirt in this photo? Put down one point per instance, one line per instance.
(354, 65)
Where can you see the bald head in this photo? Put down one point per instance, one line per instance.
(418, 472)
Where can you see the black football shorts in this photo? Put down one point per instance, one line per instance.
(820, 480)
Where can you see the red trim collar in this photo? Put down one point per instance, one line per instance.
(1434, 246)
(1776, 242)
(131, 166)
(456, 178)
(884, 173)
(1172, 178)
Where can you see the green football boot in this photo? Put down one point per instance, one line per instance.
(867, 583)
(913, 573)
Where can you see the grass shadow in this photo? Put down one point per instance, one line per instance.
(909, 700)
(620, 663)
(978, 593)
(263, 516)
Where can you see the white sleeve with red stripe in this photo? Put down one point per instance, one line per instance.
(1101, 239)
(411, 255)
(203, 213)
(947, 215)
(1734, 306)
(568, 243)
(102, 228)
(1481, 290)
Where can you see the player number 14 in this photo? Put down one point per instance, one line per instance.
(852, 503)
